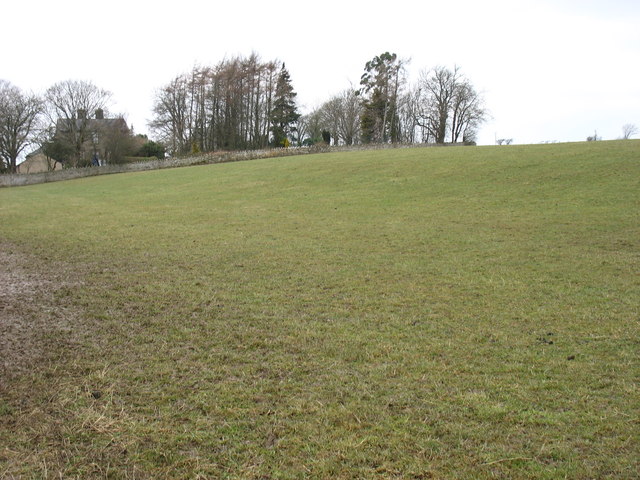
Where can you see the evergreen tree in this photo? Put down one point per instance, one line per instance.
(381, 83)
(284, 114)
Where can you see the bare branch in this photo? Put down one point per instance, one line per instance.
(19, 114)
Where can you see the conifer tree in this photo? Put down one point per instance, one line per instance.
(284, 114)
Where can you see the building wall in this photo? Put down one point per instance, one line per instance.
(36, 164)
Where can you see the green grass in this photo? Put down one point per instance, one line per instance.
(413, 313)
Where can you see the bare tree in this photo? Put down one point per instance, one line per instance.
(629, 130)
(340, 116)
(19, 115)
(467, 112)
(310, 128)
(449, 105)
(302, 128)
(408, 113)
(349, 121)
(437, 94)
(330, 113)
(227, 106)
(170, 120)
(70, 106)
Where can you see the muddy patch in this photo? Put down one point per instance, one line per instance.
(34, 322)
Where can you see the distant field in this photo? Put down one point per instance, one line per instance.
(466, 313)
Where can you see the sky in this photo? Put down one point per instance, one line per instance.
(549, 70)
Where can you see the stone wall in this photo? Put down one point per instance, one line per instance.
(16, 180)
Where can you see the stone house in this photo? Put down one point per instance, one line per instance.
(37, 162)
(82, 142)
(101, 140)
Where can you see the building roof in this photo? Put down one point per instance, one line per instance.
(64, 125)
(35, 152)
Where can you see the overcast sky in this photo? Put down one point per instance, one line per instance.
(550, 70)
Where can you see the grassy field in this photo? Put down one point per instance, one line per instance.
(462, 313)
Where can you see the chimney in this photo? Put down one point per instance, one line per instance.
(82, 114)
(99, 114)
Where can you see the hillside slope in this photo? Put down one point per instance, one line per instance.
(418, 313)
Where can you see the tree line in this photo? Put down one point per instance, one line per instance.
(441, 107)
(238, 104)
(245, 103)
(241, 103)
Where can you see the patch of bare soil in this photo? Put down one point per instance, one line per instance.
(33, 319)
(39, 331)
